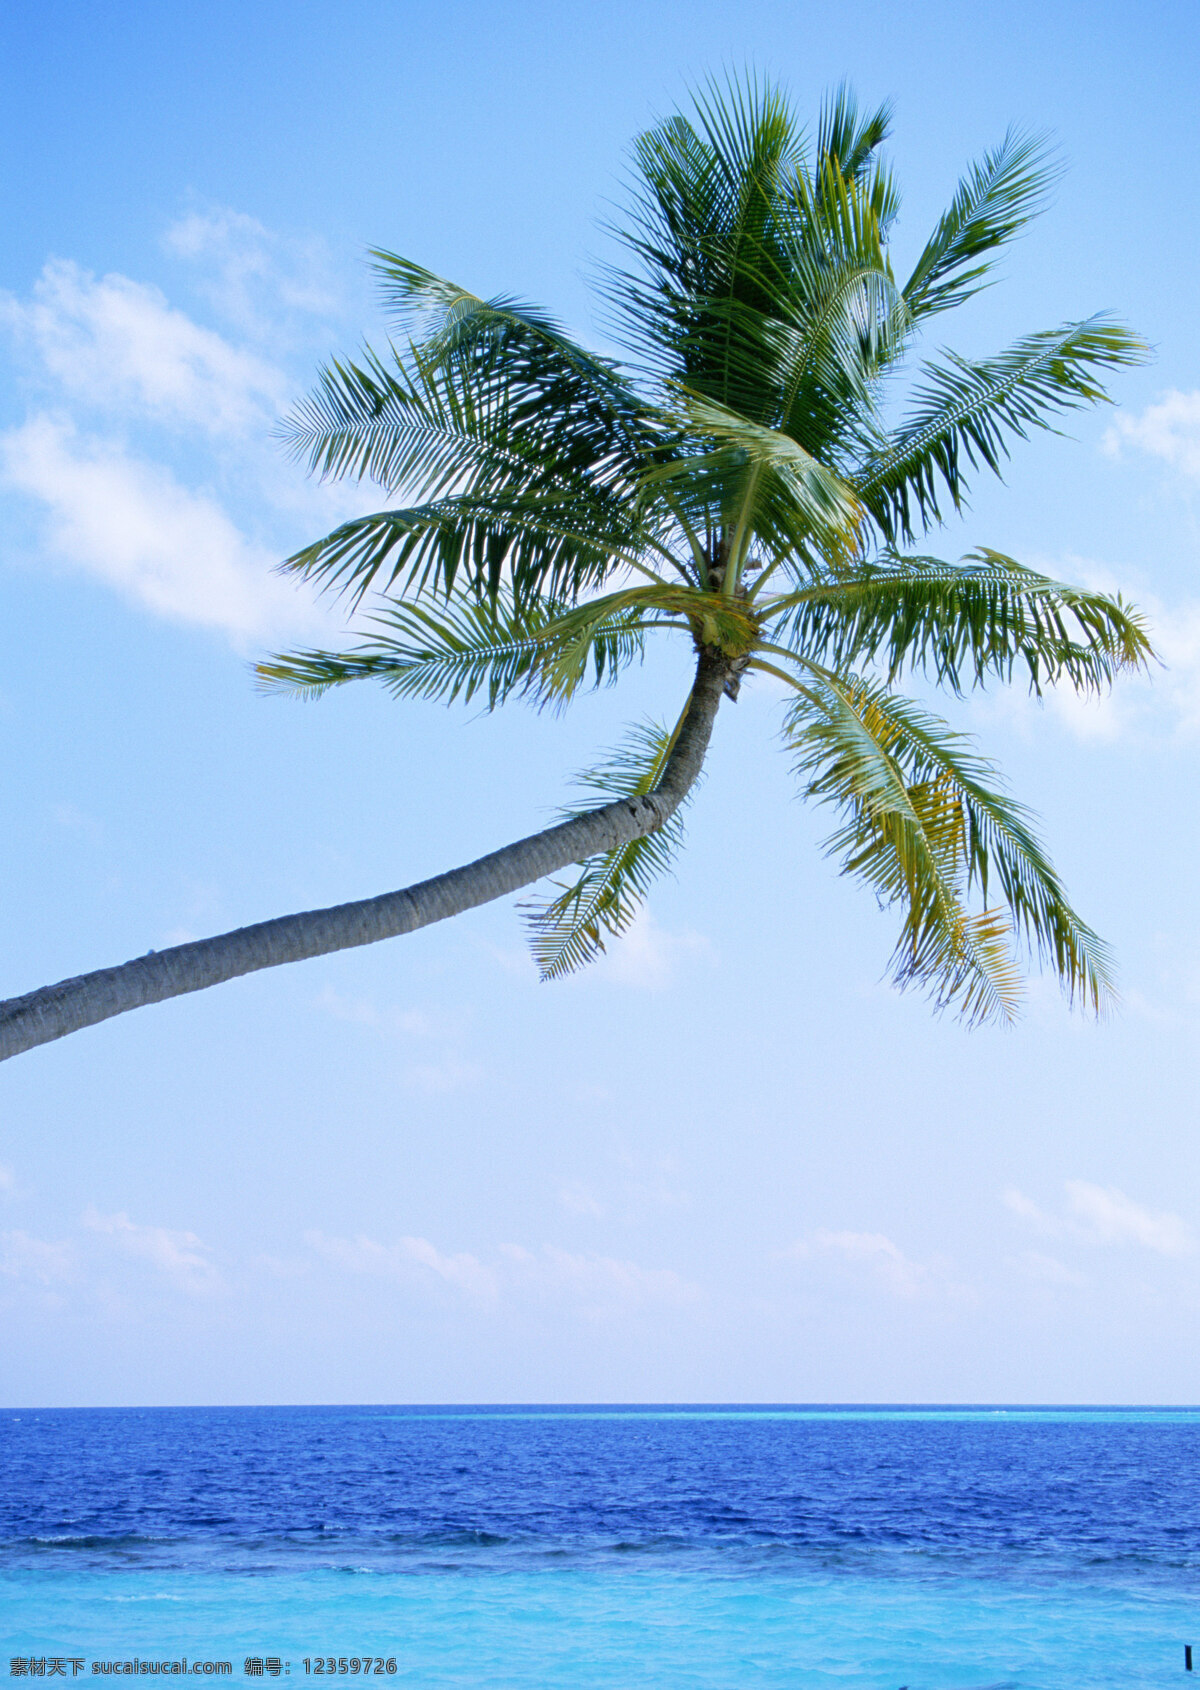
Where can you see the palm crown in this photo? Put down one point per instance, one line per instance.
(739, 481)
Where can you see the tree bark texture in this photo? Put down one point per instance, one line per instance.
(55, 1011)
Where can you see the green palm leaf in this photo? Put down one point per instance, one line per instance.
(707, 237)
(755, 273)
(490, 647)
(993, 203)
(925, 825)
(966, 413)
(847, 137)
(761, 479)
(568, 930)
(425, 425)
(961, 623)
(553, 543)
(446, 321)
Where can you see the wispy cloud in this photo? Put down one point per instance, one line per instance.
(34, 1261)
(1177, 641)
(363, 1012)
(1168, 429)
(651, 1182)
(1101, 1215)
(1148, 705)
(365, 1255)
(1110, 1217)
(1048, 1270)
(578, 1199)
(253, 275)
(148, 432)
(444, 1069)
(179, 1256)
(602, 1284)
(874, 1251)
(597, 1284)
(1017, 1203)
(118, 345)
(436, 1079)
(131, 524)
(648, 956)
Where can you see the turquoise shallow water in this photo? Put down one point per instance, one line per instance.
(525, 1631)
(938, 1550)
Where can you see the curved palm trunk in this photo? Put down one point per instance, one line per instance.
(54, 1011)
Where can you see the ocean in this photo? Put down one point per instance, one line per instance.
(538, 1548)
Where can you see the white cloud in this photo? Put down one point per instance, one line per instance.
(435, 1079)
(652, 1182)
(1163, 699)
(117, 345)
(1018, 1204)
(180, 1256)
(33, 1260)
(364, 1255)
(151, 432)
(1112, 1218)
(609, 1279)
(413, 1023)
(642, 1186)
(447, 1071)
(647, 955)
(1097, 1214)
(600, 1284)
(7, 1178)
(577, 1199)
(872, 1250)
(1102, 717)
(1176, 636)
(251, 271)
(1048, 1270)
(1168, 429)
(130, 524)
(463, 1270)
(1139, 703)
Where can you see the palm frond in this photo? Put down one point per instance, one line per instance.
(512, 405)
(750, 299)
(828, 357)
(793, 496)
(432, 311)
(706, 238)
(744, 444)
(966, 412)
(553, 542)
(567, 640)
(960, 623)
(494, 648)
(424, 425)
(845, 135)
(993, 202)
(568, 931)
(494, 426)
(848, 145)
(925, 825)
(448, 324)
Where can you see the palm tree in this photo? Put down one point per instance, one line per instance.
(739, 482)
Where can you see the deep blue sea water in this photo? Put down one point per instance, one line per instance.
(533, 1549)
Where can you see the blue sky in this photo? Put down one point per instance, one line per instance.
(731, 1163)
